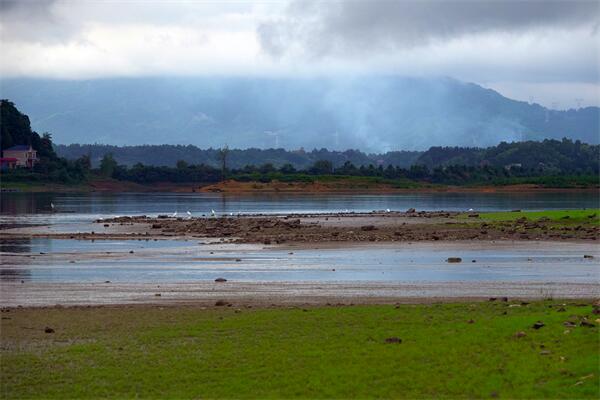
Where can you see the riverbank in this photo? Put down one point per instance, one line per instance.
(329, 186)
(97, 185)
(370, 185)
(511, 349)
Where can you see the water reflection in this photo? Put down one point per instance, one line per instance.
(13, 204)
(179, 261)
(15, 274)
(15, 245)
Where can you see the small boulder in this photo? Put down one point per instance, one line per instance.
(220, 280)
(221, 303)
(538, 325)
(393, 340)
(454, 259)
(587, 323)
(48, 330)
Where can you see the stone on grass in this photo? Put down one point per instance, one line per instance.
(538, 325)
(393, 340)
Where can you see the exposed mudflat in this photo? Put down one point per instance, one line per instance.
(354, 227)
(284, 233)
(319, 228)
(281, 293)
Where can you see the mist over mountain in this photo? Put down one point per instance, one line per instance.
(373, 113)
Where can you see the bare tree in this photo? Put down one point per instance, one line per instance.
(223, 153)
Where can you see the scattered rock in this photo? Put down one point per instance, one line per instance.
(130, 251)
(588, 256)
(410, 211)
(587, 323)
(393, 340)
(492, 299)
(106, 281)
(454, 259)
(538, 325)
(221, 303)
(471, 321)
(157, 294)
(220, 280)
(49, 330)
(368, 228)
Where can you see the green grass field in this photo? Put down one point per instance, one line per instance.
(589, 216)
(447, 351)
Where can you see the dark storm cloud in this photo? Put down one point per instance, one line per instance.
(362, 27)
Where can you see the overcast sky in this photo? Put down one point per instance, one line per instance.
(545, 51)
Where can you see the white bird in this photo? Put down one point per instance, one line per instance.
(231, 214)
(346, 210)
(189, 214)
(387, 210)
(174, 214)
(213, 213)
(52, 206)
(470, 209)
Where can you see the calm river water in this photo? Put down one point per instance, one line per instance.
(35, 208)
(54, 260)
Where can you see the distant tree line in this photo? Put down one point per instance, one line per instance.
(445, 175)
(168, 155)
(560, 156)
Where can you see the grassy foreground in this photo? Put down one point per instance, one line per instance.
(589, 216)
(447, 350)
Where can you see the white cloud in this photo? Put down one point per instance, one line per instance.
(548, 50)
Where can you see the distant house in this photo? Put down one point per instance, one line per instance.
(8, 163)
(25, 156)
(513, 165)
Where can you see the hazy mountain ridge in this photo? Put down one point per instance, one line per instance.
(374, 114)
